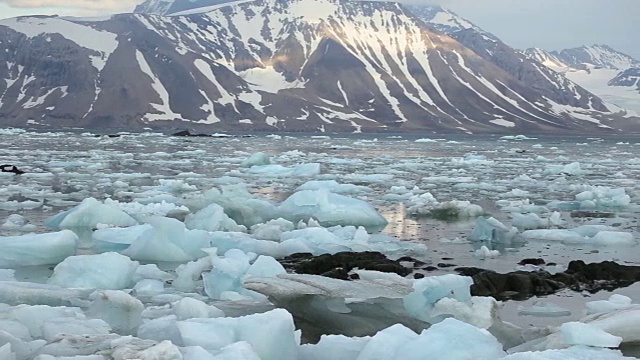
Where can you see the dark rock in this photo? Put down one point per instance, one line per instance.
(11, 169)
(445, 265)
(592, 214)
(579, 276)
(532, 261)
(187, 133)
(418, 276)
(339, 265)
(430, 268)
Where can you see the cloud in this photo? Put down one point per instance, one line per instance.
(91, 5)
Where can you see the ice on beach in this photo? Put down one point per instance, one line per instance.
(577, 333)
(89, 214)
(103, 271)
(330, 209)
(492, 230)
(615, 302)
(428, 291)
(485, 253)
(272, 334)
(37, 249)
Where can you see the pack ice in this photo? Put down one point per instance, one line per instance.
(182, 263)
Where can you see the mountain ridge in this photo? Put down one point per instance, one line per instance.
(273, 65)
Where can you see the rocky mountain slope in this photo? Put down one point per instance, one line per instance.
(295, 65)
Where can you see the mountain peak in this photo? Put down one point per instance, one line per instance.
(170, 7)
(598, 55)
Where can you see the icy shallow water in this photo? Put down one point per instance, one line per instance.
(63, 169)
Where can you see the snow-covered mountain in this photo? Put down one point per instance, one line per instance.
(598, 56)
(169, 7)
(602, 70)
(297, 65)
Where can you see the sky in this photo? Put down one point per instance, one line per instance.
(548, 24)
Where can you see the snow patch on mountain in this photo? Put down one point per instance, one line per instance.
(103, 42)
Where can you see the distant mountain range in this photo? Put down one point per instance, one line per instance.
(608, 73)
(286, 65)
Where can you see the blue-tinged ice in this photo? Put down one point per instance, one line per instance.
(103, 271)
(89, 214)
(37, 249)
(578, 333)
(272, 335)
(492, 230)
(330, 209)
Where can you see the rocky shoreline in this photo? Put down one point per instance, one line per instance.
(515, 285)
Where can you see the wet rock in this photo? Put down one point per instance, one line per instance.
(340, 264)
(188, 133)
(579, 276)
(592, 214)
(11, 169)
(532, 261)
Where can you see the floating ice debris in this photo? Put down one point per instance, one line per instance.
(88, 214)
(37, 249)
(543, 309)
(426, 205)
(516, 137)
(271, 335)
(304, 170)
(532, 221)
(18, 222)
(572, 169)
(615, 302)
(102, 271)
(334, 187)
(587, 234)
(212, 218)
(330, 209)
(258, 158)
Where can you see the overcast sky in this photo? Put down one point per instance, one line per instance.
(549, 24)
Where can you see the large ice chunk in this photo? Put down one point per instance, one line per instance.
(37, 249)
(256, 159)
(103, 271)
(330, 209)
(428, 291)
(577, 333)
(212, 218)
(271, 334)
(88, 214)
(615, 302)
(120, 310)
(168, 240)
(492, 230)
